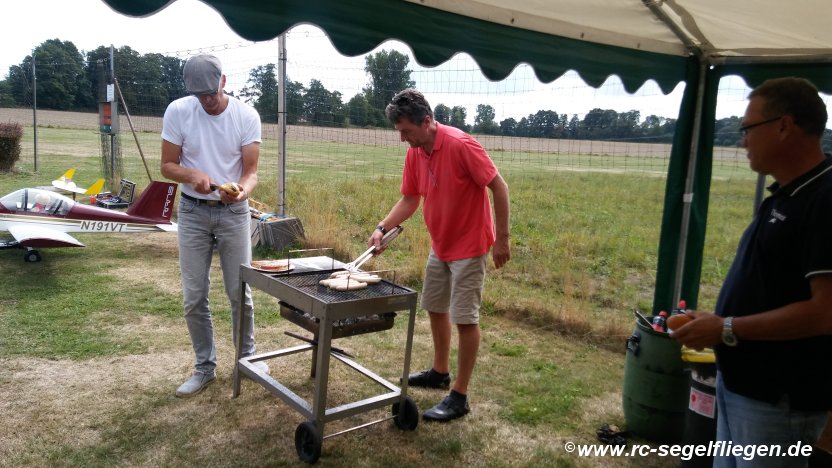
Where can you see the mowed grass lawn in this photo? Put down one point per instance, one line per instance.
(92, 343)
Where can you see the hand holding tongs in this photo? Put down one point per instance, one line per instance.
(368, 254)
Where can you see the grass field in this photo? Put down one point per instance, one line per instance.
(92, 343)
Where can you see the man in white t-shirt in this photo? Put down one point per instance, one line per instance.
(209, 139)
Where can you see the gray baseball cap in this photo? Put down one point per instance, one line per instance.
(202, 74)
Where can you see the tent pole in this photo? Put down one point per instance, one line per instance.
(687, 198)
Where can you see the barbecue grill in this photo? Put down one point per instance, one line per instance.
(329, 314)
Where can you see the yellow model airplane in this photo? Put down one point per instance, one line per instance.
(65, 183)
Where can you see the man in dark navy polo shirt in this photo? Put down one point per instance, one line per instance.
(772, 327)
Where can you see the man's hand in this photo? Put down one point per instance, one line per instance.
(375, 240)
(704, 331)
(501, 252)
(200, 181)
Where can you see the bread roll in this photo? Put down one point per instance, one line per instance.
(358, 276)
(343, 283)
(231, 188)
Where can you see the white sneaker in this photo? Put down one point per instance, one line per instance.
(195, 384)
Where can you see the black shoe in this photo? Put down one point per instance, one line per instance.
(449, 408)
(429, 379)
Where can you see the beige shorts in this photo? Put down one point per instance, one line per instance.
(455, 287)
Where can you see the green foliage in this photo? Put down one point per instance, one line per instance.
(458, 115)
(10, 135)
(359, 111)
(484, 121)
(389, 74)
(442, 114)
(62, 83)
(322, 107)
(6, 98)
(262, 91)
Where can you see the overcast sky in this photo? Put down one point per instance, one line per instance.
(189, 26)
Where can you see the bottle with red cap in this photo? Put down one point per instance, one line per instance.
(660, 322)
(680, 309)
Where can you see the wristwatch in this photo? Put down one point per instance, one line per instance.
(728, 336)
(381, 228)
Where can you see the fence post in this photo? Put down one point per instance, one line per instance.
(281, 125)
(35, 110)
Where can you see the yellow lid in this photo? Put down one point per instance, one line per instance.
(691, 355)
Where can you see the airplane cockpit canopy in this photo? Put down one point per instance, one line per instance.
(31, 200)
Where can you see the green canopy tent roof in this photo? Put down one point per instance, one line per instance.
(670, 41)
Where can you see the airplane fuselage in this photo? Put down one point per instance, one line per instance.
(37, 218)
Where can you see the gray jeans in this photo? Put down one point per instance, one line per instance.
(199, 226)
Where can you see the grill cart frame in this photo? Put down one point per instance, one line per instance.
(299, 290)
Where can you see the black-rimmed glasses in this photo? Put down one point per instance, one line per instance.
(744, 129)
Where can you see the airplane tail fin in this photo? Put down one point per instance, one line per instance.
(68, 175)
(156, 202)
(95, 188)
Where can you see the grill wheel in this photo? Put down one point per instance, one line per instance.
(406, 418)
(308, 442)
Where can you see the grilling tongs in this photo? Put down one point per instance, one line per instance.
(368, 254)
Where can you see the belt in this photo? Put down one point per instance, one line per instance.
(200, 201)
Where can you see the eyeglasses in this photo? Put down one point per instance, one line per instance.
(744, 130)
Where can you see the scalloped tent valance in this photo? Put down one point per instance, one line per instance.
(633, 39)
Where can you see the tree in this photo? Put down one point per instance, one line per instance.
(726, 132)
(388, 75)
(626, 124)
(598, 123)
(508, 127)
(358, 111)
(543, 124)
(523, 127)
(573, 128)
(19, 84)
(484, 121)
(322, 107)
(458, 114)
(148, 82)
(6, 99)
(261, 91)
(294, 100)
(442, 114)
(60, 76)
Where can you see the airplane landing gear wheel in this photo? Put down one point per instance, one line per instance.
(32, 256)
(308, 442)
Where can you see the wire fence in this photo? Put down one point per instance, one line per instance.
(457, 84)
(342, 150)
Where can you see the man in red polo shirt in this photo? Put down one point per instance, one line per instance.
(450, 171)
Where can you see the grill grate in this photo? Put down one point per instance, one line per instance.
(308, 284)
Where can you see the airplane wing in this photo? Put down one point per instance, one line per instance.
(40, 237)
(172, 227)
(70, 186)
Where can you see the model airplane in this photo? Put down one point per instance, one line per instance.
(39, 218)
(65, 182)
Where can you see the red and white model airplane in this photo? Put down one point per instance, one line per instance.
(39, 218)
